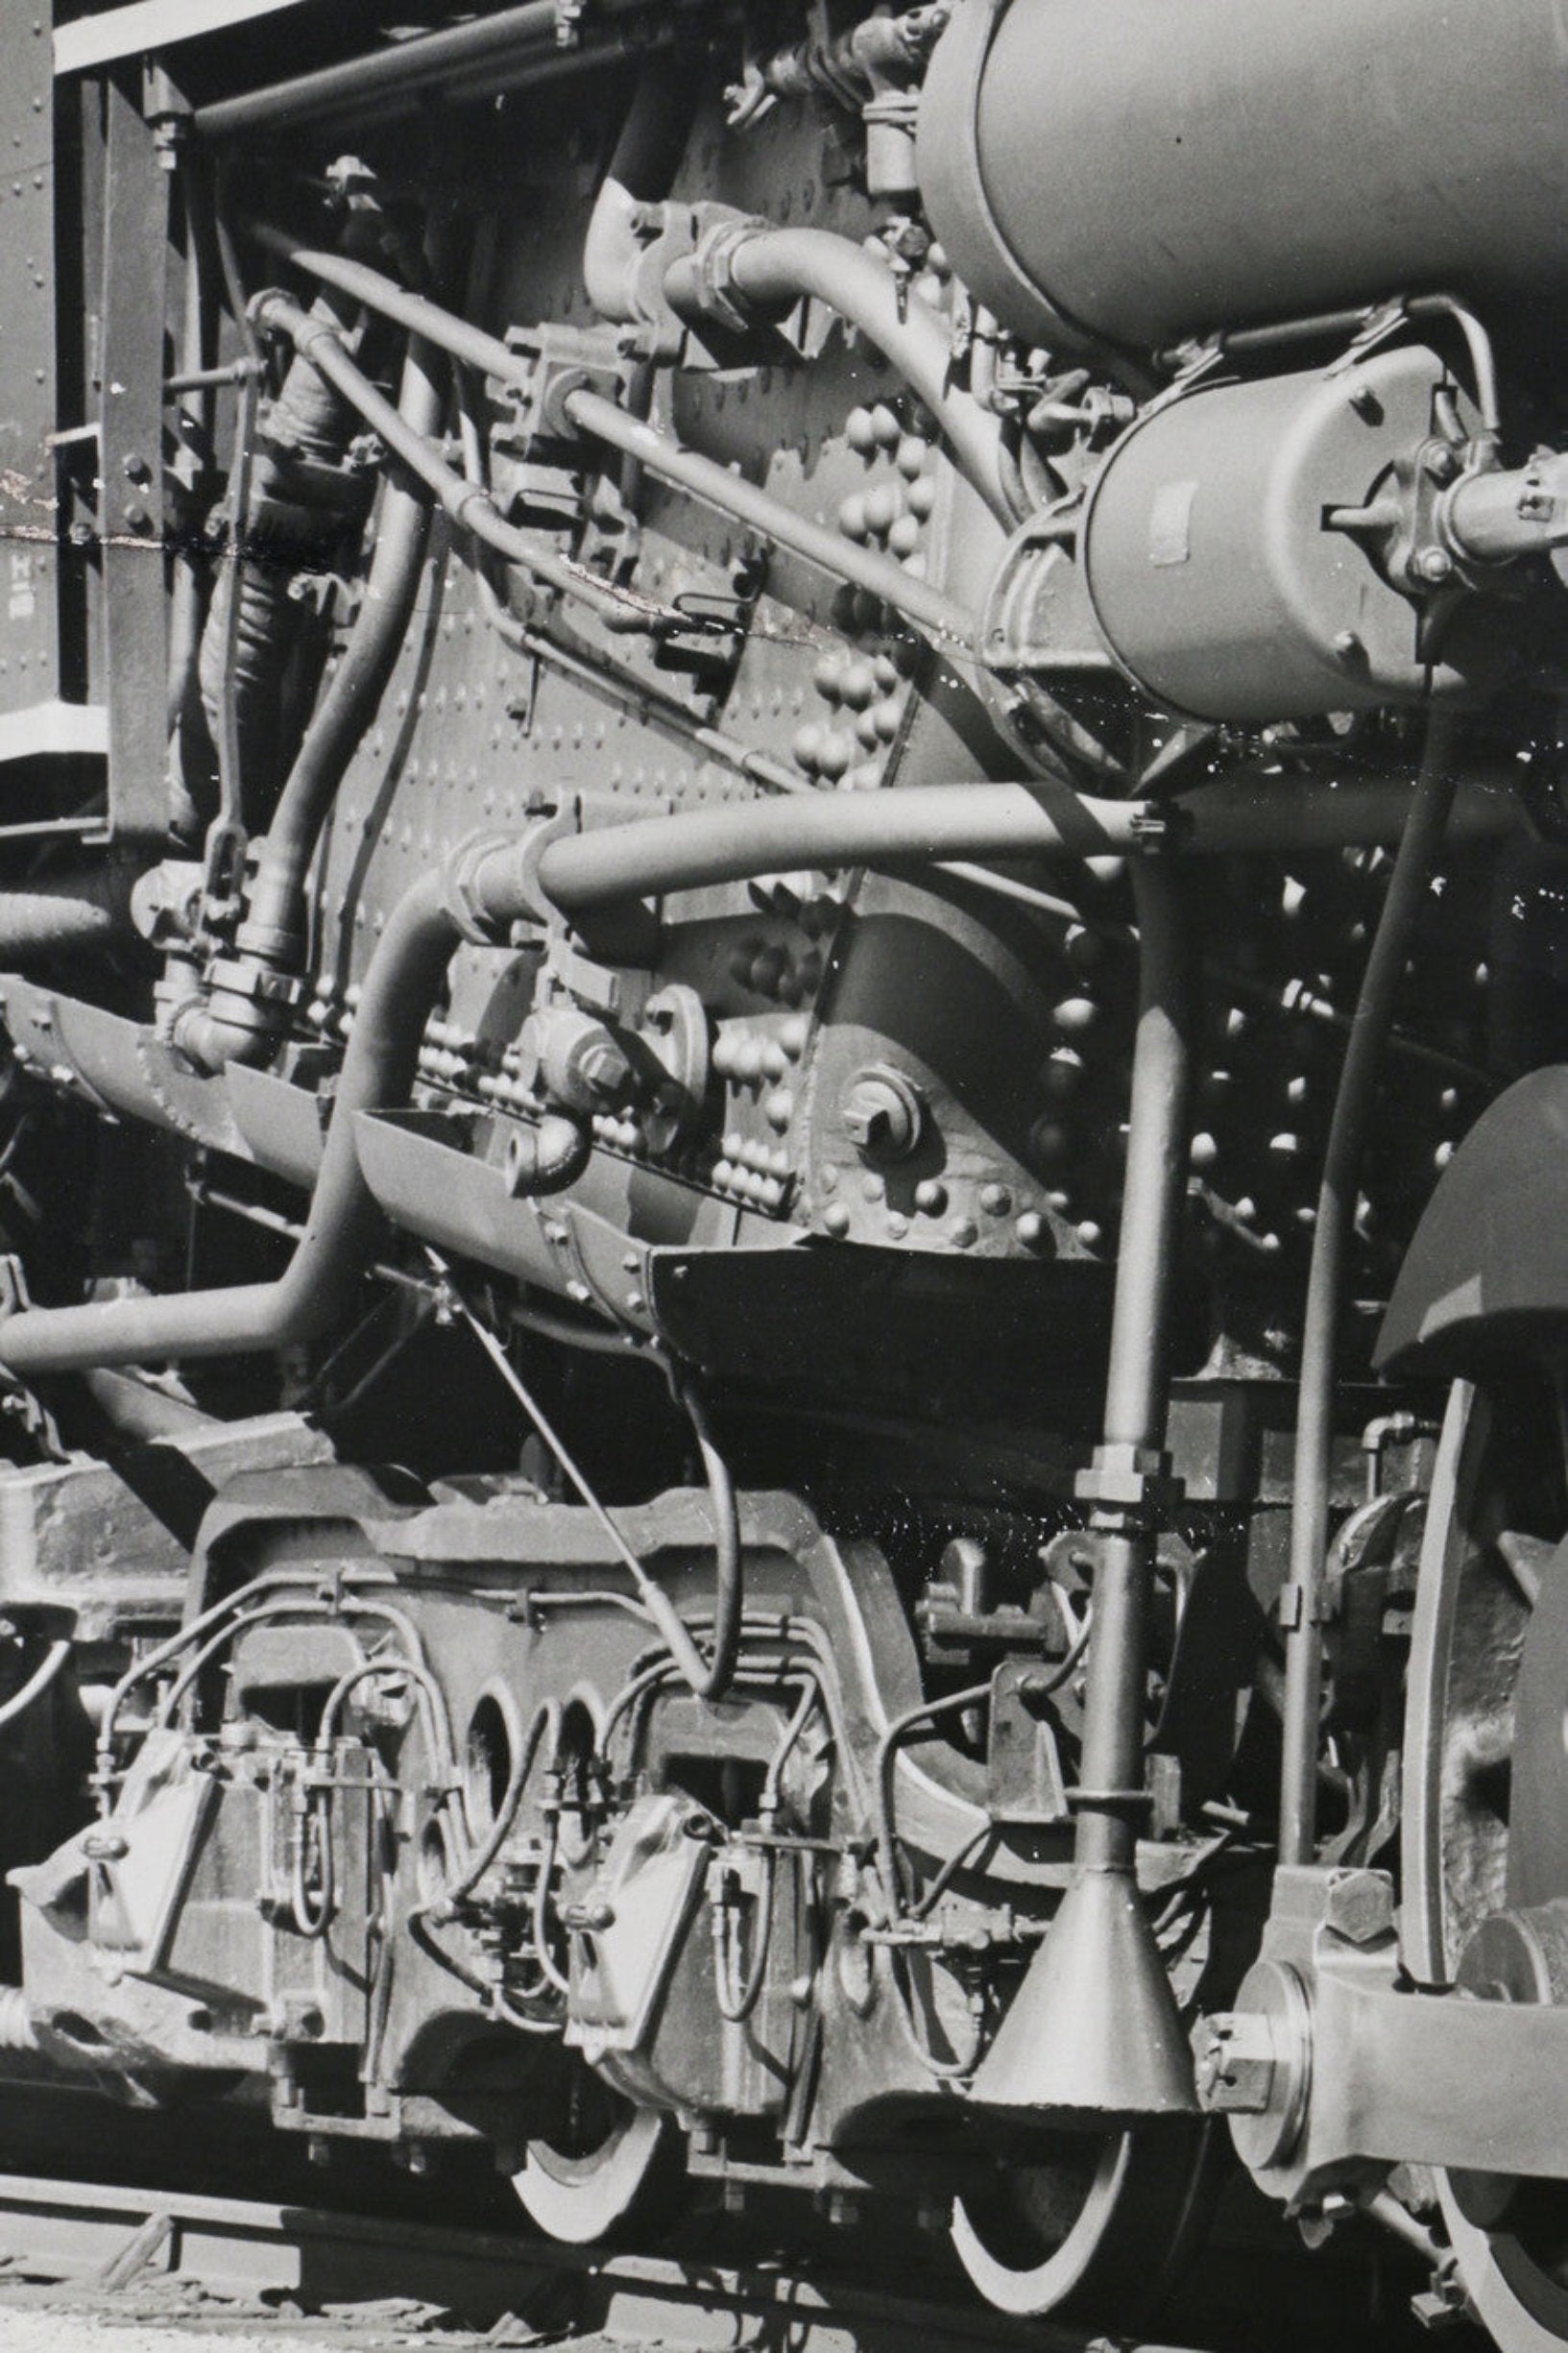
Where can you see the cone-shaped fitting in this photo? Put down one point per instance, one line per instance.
(1093, 2028)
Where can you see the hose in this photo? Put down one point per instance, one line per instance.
(390, 1667)
(706, 1679)
(539, 1912)
(1370, 1024)
(312, 1914)
(402, 532)
(977, 1695)
(290, 502)
(735, 2003)
(546, 1723)
(240, 1023)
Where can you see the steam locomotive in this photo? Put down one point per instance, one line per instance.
(783, 955)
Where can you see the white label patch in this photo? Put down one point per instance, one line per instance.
(1171, 522)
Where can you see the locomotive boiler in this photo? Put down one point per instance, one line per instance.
(783, 963)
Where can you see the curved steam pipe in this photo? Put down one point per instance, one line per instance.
(772, 269)
(481, 886)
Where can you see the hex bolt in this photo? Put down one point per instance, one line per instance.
(1233, 2064)
(1359, 1906)
(881, 1113)
(604, 1068)
(1432, 566)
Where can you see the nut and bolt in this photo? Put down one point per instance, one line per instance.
(881, 1113)
(1432, 566)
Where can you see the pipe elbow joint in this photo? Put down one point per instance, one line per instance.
(209, 1041)
(547, 1157)
(613, 252)
(241, 1017)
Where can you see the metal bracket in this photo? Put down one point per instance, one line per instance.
(1333, 2068)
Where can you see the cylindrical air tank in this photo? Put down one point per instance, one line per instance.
(1146, 170)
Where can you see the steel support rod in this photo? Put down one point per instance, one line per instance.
(1421, 838)
(731, 494)
(498, 51)
(604, 421)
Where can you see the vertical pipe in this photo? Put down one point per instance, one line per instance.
(189, 465)
(276, 922)
(1093, 2033)
(1303, 1596)
(1136, 1378)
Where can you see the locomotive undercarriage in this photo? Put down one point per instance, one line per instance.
(784, 972)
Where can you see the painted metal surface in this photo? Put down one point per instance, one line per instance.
(29, 565)
(145, 26)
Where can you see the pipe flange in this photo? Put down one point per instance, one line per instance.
(492, 878)
(700, 285)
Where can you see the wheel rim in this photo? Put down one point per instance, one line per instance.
(1105, 2225)
(991, 2236)
(580, 2186)
(1498, 1480)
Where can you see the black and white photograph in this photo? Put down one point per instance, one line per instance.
(784, 1176)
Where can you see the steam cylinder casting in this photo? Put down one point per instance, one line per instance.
(1082, 160)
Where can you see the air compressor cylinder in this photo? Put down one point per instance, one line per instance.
(1219, 576)
(1146, 170)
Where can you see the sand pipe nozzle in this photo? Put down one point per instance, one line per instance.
(1093, 2033)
